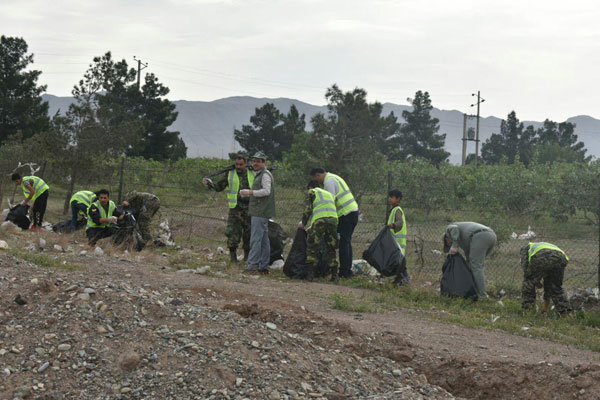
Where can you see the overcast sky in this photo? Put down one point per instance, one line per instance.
(539, 58)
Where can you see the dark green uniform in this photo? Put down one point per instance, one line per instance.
(547, 265)
(238, 220)
(144, 205)
(322, 240)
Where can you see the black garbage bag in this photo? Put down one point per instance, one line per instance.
(18, 216)
(384, 253)
(127, 231)
(295, 263)
(457, 278)
(276, 239)
(65, 226)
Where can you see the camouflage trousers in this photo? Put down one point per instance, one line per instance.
(238, 228)
(549, 266)
(322, 246)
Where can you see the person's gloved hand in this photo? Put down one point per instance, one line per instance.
(453, 250)
(23, 202)
(245, 192)
(113, 219)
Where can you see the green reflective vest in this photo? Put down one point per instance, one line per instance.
(234, 186)
(39, 186)
(535, 247)
(323, 205)
(344, 200)
(401, 234)
(83, 197)
(103, 214)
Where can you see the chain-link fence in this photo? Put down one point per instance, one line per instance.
(198, 217)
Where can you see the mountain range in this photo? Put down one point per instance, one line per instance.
(207, 126)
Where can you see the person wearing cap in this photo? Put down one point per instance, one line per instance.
(347, 211)
(477, 241)
(34, 188)
(320, 221)
(545, 262)
(261, 207)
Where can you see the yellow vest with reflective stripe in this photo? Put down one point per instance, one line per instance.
(344, 200)
(323, 205)
(233, 186)
(38, 185)
(401, 234)
(535, 247)
(103, 214)
(83, 197)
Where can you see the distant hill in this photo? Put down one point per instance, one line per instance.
(207, 126)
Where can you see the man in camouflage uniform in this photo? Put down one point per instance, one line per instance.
(320, 221)
(544, 261)
(144, 206)
(238, 220)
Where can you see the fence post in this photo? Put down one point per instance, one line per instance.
(390, 179)
(121, 180)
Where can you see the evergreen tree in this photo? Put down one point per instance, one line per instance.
(21, 106)
(418, 135)
(514, 142)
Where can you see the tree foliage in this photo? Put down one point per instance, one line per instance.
(418, 135)
(270, 131)
(21, 106)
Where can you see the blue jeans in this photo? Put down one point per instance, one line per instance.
(260, 248)
(346, 225)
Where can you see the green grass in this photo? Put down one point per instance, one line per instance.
(45, 261)
(580, 329)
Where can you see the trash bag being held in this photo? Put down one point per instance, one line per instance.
(295, 263)
(457, 278)
(276, 238)
(384, 253)
(18, 216)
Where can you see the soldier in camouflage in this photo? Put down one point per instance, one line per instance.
(238, 220)
(544, 262)
(144, 206)
(320, 221)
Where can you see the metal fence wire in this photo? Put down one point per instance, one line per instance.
(198, 217)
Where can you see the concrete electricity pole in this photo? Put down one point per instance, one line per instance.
(139, 70)
(479, 101)
(464, 139)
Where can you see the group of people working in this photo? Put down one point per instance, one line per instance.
(331, 215)
(99, 212)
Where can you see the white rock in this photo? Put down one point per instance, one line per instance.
(202, 270)
(9, 227)
(221, 250)
(397, 372)
(3, 244)
(41, 243)
(98, 251)
(82, 252)
(34, 281)
(84, 296)
(271, 325)
(58, 248)
(5, 213)
(89, 290)
(64, 347)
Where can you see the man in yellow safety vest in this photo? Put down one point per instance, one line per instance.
(102, 217)
(238, 220)
(347, 211)
(35, 189)
(397, 223)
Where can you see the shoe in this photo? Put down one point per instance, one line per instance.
(263, 271)
(250, 271)
(233, 255)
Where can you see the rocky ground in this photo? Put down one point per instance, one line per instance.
(112, 325)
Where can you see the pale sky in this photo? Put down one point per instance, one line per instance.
(539, 58)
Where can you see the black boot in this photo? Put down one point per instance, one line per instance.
(233, 254)
(334, 275)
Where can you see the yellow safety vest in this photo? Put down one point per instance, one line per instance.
(234, 186)
(401, 234)
(323, 205)
(535, 247)
(38, 185)
(83, 197)
(103, 214)
(344, 200)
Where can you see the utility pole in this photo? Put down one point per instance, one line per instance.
(479, 101)
(464, 139)
(139, 69)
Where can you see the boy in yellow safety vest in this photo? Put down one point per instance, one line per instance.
(34, 188)
(397, 223)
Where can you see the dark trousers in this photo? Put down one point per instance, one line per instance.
(39, 208)
(346, 225)
(95, 234)
(75, 208)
